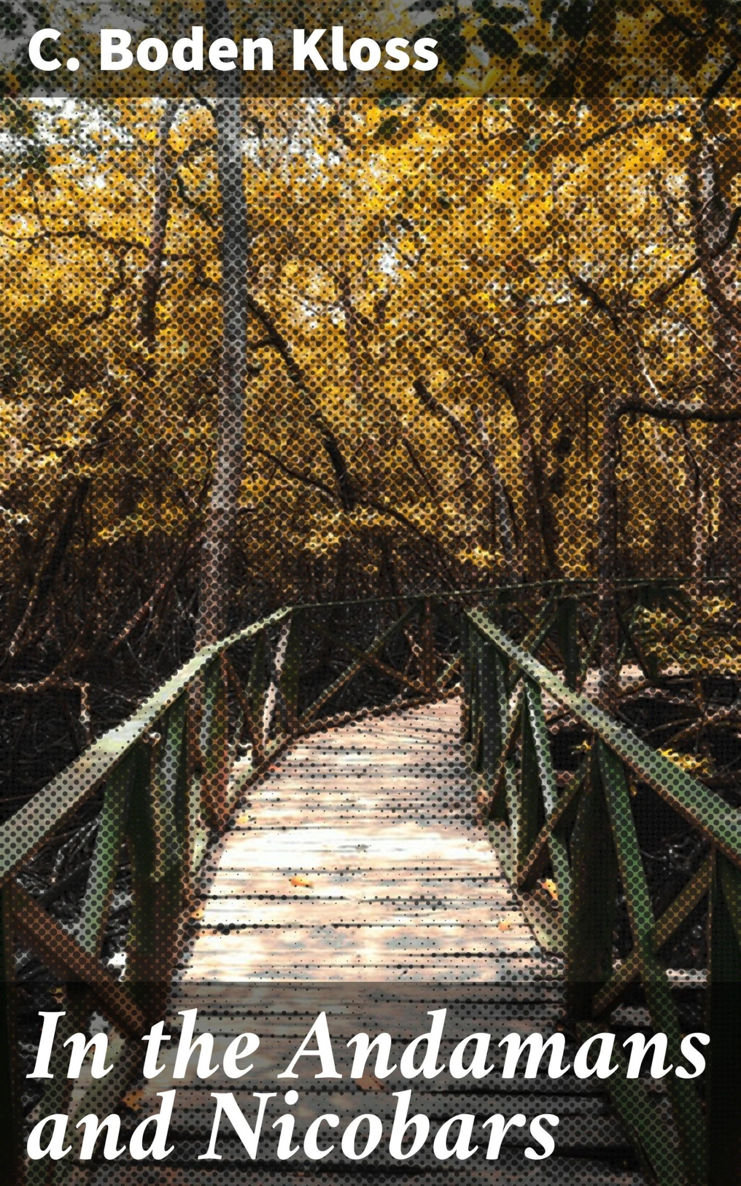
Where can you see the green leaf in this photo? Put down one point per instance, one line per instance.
(390, 99)
(498, 41)
(452, 45)
(533, 63)
(389, 128)
(499, 14)
(575, 18)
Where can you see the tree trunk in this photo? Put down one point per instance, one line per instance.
(613, 409)
(607, 552)
(152, 280)
(714, 222)
(502, 519)
(465, 451)
(221, 522)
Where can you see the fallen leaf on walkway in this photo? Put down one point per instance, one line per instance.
(370, 1083)
(133, 1098)
(302, 881)
(504, 925)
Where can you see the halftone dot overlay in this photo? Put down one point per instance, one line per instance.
(550, 49)
(369, 531)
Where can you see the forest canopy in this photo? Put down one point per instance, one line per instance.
(442, 296)
(263, 351)
(487, 341)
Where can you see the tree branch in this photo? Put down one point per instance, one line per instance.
(298, 379)
(464, 443)
(665, 409)
(152, 278)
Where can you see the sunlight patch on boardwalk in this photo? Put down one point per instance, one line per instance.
(358, 857)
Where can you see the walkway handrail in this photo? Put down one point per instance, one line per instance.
(21, 834)
(719, 822)
(25, 830)
(169, 778)
(570, 846)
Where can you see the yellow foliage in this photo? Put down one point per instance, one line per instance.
(511, 255)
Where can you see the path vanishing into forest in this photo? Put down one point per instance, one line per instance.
(294, 833)
(358, 858)
(356, 871)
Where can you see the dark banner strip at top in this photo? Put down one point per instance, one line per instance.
(550, 49)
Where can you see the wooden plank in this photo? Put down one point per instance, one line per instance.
(417, 912)
(292, 1021)
(511, 1168)
(367, 943)
(594, 1132)
(351, 1099)
(216, 965)
(375, 813)
(349, 1000)
(404, 894)
(398, 884)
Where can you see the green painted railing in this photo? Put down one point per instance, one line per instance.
(165, 783)
(570, 845)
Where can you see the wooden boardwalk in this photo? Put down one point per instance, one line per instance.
(356, 880)
(358, 858)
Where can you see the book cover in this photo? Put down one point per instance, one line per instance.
(369, 520)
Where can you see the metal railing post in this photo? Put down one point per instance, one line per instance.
(591, 919)
(723, 1013)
